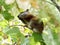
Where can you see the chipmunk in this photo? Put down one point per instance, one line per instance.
(31, 21)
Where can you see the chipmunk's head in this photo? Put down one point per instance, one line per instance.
(25, 16)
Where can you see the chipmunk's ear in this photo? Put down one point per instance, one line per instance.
(27, 10)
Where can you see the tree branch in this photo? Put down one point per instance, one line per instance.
(56, 5)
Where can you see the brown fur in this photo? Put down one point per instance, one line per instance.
(32, 20)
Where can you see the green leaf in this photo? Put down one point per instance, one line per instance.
(32, 41)
(7, 28)
(3, 23)
(7, 16)
(13, 30)
(7, 7)
(16, 34)
(37, 36)
(2, 2)
(36, 39)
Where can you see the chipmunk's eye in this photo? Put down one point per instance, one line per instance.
(23, 15)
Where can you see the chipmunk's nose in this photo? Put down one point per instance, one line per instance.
(18, 16)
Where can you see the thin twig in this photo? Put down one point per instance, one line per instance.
(17, 25)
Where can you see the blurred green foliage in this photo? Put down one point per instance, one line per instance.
(10, 24)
